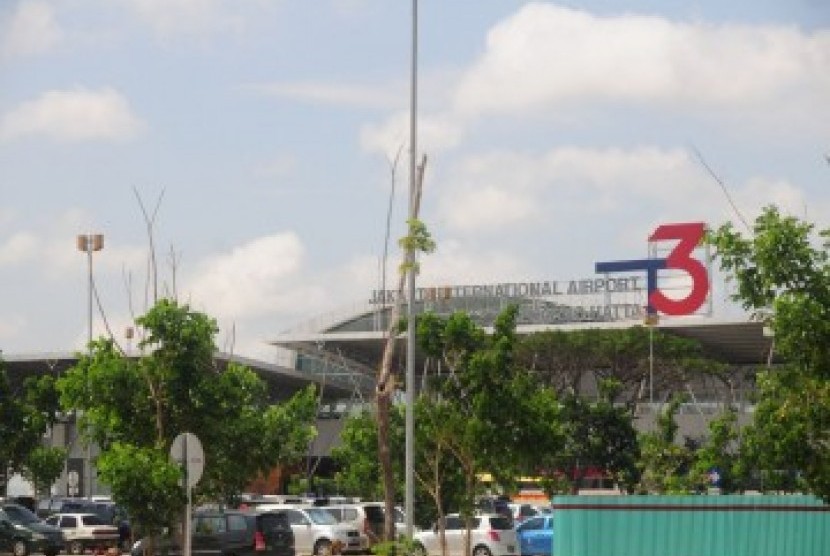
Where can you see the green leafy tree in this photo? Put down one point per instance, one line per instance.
(566, 360)
(782, 275)
(719, 454)
(26, 411)
(664, 464)
(43, 466)
(495, 416)
(134, 408)
(438, 482)
(601, 434)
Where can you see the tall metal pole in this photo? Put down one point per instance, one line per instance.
(409, 463)
(89, 243)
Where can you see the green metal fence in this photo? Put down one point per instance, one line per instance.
(730, 525)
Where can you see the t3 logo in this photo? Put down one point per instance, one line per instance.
(689, 236)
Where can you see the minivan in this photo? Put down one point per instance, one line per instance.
(230, 533)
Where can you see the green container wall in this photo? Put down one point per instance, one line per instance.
(730, 525)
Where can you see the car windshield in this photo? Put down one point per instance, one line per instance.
(20, 515)
(320, 516)
(502, 523)
(92, 520)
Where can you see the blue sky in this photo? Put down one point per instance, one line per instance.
(558, 134)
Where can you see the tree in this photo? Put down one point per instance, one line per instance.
(567, 360)
(43, 466)
(438, 482)
(664, 463)
(495, 416)
(134, 408)
(719, 455)
(782, 275)
(600, 434)
(26, 411)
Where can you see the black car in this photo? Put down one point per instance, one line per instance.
(23, 533)
(230, 533)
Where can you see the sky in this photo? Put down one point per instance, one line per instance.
(255, 142)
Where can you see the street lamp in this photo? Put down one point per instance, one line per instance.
(651, 320)
(89, 243)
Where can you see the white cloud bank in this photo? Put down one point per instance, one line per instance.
(550, 56)
(73, 115)
(497, 192)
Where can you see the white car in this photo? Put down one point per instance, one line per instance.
(316, 531)
(85, 532)
(490, 535)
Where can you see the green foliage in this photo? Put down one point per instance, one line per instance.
(564, 360)
(399, 547)
(495, 416)
(782, 274)
(720, 453)
(137, 407)
(25, 414)
(418, 240)
(664, 464)
(602, 435)
(146, 482)
(43, 466)
(359, 468)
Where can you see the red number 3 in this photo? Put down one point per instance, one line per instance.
(680, 258)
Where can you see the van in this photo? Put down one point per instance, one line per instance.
(229, 532)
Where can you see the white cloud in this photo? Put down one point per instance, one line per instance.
(502, 191)
(31, 29)
(72, 115)
(551, 57)
(258, 277)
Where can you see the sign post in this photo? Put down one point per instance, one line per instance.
(187, 451)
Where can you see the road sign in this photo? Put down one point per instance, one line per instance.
(187, 451)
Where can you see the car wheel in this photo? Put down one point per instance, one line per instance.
(76, 548)
(322, 548)
(20, 548)
(482, 550)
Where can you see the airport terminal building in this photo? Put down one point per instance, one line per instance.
(341, 352)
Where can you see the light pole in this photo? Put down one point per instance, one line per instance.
(409, 421)
(651, 320)
(89, 243)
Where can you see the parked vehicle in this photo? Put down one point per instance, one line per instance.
(85, 531)
(522, 511)
(490, 535)
(66, 505)
(231, 533)
(316, 531)
(536, 536)
(366, 517)
(494, 505)
(22, 533)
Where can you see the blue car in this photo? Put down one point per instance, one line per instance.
(536, 535)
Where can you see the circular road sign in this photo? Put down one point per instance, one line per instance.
(187, 451)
